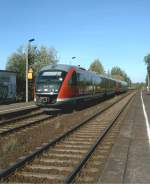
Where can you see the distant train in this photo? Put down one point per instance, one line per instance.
(62, 86)
(7, 86)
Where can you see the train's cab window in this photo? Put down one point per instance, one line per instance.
(73, 79)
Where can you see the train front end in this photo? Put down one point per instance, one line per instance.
(52, 89)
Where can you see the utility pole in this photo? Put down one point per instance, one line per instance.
(27, 66)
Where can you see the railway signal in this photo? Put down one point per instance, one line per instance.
(30, 74)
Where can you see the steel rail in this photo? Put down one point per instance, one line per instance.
(25, 159)
(73, 174)
(10, 114)
(11, 130)
(12, 120)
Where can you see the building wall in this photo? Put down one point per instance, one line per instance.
(7, 85)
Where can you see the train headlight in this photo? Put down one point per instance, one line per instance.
(51, 93)
(60, 78)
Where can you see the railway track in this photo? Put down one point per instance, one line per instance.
(14, 112)
(61, 160)
(96, 159)
(15, 124)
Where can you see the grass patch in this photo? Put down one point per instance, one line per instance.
(10, 146)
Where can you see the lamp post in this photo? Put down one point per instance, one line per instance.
(72, 59)
(27, 64)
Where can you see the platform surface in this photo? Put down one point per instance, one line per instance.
(129, 161)
(15, 107)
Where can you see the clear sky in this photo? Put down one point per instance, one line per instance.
(115, 31)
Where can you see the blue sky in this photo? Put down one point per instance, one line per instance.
(115, 31)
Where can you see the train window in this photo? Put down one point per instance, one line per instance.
(51, 76)
(51, 73)
(50, 81)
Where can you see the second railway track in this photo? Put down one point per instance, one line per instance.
(60, 160)
(15, 124)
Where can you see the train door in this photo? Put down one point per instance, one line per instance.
(73, 84)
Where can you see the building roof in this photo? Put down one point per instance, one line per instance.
(7, 71)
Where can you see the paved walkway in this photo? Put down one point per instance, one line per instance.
(129, 161)
(15, 107)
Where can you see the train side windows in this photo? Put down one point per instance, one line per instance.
(73, 80)
(78, 77)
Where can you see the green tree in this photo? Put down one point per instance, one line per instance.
(119, 74)
(97, 67)
(44, 56)
(116, 71)
(137, 85)
(146, 80)
(16, 63)
(147, 62)
(37, 57)
(147, 59)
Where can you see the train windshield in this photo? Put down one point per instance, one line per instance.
(50, 81)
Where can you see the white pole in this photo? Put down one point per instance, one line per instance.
(27, 72)
(27, 66)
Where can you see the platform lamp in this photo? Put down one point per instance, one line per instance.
(72, 59)
(27, 66)
(148, 76)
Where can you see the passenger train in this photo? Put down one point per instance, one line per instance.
(61, 86)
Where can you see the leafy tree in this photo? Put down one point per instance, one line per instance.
(146, 80)
(137, 85)
(147, 61)
(17, 63)
(37, 58)
(116, 71)
(44, 56)
(97, 67)
(119, 74)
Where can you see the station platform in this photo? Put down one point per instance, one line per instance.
(4, 109)
(129, 161)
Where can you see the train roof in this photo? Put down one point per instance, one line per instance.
(66, 68)
(62, 67)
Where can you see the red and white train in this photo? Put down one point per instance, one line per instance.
(60, 86)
